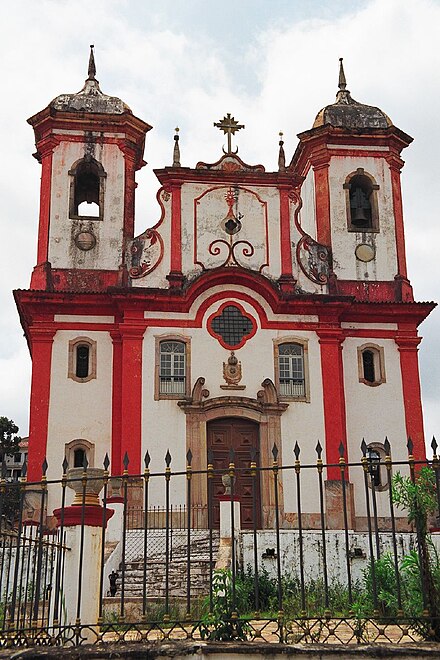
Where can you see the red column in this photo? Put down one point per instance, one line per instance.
(322, 204)
(334, 398)
(41, 273)
(132, 332)
(41, 345)
(412, 397)
(395, 167)
(286, 280)
(116, 454)
(130, 186)
(175, 276)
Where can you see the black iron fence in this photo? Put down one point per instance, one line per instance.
(346, 560)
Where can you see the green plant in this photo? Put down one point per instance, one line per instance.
(418, 497)
(221, 622)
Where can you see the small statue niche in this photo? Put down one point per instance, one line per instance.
(232, 374)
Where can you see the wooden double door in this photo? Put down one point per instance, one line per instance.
(242, 436)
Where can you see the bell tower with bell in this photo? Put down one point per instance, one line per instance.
(89, 145)
(351, 160)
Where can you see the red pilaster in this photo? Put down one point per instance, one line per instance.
(412, 397)
(395, 167)
(116, 451)
(287, 281)
(130, 186)
(41, 347)
(322, 204)
(45, 193)
(175, 276)
(132, 332)
(334, 398)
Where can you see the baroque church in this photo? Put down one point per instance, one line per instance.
(262, 308)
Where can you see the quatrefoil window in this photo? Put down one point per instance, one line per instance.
(232, 326)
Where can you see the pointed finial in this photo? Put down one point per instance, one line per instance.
(189, 457)
(275, 452)
(342, 84)
(65, 465)
(318, 449)
(125, 461)
(168, 458)
(147, 460)
(341, 450)
(296, 451)
(92, 67)
(434, 445)
(364, 447)
(410, 446)
(176, 153)
(387, 446)
(44, 467)
(281, 155)
(106, 461)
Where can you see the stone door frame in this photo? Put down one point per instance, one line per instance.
(265, 409)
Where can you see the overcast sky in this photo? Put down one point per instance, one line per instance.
(271, 63)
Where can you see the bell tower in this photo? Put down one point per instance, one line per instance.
(351, 162)
(90, 146)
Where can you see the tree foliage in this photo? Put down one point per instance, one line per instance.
(9, 440)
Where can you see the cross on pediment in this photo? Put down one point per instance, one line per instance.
(229, 126)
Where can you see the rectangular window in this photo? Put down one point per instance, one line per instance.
(291, 369)
(172, 368)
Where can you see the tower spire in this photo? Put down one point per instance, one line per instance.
(343, 94)
(342, 81)
(92, 66)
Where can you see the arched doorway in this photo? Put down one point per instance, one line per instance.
(242, 435)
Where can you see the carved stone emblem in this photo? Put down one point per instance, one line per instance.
(232, 373)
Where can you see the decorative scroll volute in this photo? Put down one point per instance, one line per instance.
(146, 253)
(313, 258)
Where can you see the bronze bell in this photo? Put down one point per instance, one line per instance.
(358, 216)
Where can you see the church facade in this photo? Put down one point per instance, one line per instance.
(263, 307)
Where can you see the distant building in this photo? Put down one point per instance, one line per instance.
(14, 463)
(263, 307)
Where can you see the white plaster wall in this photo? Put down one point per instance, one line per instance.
(346, 266)
(312, 546)
(307, 216)
(63, 252)
(157, 278)
(164, 423)
(373, 413)
(79, 410)
(210, 215)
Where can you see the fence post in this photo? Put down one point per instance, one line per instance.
(82, 565)
(229, 524)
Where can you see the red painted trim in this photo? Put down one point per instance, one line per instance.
(41, 348)
(115, 499)
(116, 448)
(285, 238)
(176, 230)
(44, 220)
(131, 400)
(129, 190)
(219, 337)
(398, 220)
(334, 398)
(412, 397)
(73, 515)
(322, 205)
(169, 175)
(70, 279)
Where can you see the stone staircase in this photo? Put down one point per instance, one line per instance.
(177, 567)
